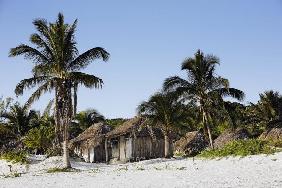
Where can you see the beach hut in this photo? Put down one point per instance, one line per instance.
(89, 145)
(134, 141)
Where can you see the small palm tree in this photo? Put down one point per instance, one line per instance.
(18, 118)
(203, 86)
(57, 67)
(85, 119)
(165, 111)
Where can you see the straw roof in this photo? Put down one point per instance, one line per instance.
(92, 136)
(230, 135)
(135, 127)
(191, 144)
(274, 134)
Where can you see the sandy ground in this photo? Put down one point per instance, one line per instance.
(254, 171)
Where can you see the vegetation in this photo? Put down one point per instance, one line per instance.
(115, 122)
(204, 87)
(39, 139)
(57, 170)
(240, 148)
(15, 157)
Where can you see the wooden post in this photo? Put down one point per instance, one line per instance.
(106, 150)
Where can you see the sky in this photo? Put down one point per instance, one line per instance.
(148, 40)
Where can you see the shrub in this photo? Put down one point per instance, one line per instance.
(240, 148)
(15, 157)
(39, 138)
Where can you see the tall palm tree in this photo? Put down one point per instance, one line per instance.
(57, 66)
(203, 85)
(165, 111)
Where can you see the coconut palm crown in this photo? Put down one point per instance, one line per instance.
(203, 86)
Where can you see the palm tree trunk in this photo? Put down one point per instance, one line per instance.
(67, 117)
(166, 140)
(56, 143)
(66, 157)
(206, 125)
(75, 87)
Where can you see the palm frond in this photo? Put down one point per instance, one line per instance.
(29, 53)
(87, 80)
(43, 45)
(70, 50)
(47, 110)
(232, 92)
(29, 83)
(84, 59)
(48, 86)
(174, 82)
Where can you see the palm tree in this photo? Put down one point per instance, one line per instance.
(57, 66)
(268, 111)
(165, 111)
(203, 86)
(18, 118)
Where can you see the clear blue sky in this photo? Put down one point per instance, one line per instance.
(148, 40)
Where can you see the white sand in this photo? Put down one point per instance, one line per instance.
(255, 171)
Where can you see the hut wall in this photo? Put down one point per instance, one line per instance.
(128, 149)
(91, 155)
(158, 148)
(85, 155)
(100, 154)
(140, 148)
(122, 148)
(146, 148)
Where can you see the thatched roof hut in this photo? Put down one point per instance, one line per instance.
(90, 143)
(274, 134)
(191, 144)
(134, 140)
(92, 136)
(230, 135)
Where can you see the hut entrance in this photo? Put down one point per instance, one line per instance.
(115, 149)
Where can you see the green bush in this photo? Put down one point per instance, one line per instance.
(240, 148)
(15, 157)
(39, 138)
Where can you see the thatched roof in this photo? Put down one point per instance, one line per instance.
(135, 127)
(230, 135)
(92, 136)
(274, 134)
(191, 144)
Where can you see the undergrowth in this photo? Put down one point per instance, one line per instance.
(15, 157)
(57, 170)
(240, 148)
